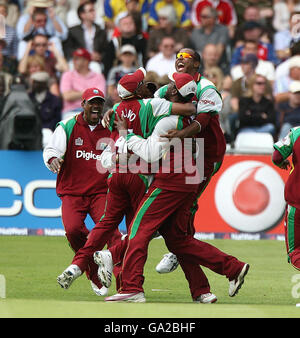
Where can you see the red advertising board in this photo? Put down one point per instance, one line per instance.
(245, 196)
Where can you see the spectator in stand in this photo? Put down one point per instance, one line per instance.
(139, 12)
(55, 63)
(210, 58)
(182, 8)
(225, 9)
(11, 41)
(129, 36)
(264, 67)
(166, 26)
(74, 82)
(281, 85)
(265, 8)
(288, 112)
(251, 14)
(47, 105)
(163, 62)
(256, 112)
(13, 12)
(6, 77)
(127, 57)
(112, 8)
(253, 31)
(40, 18)
(283, 68)
(223, 85)
(283, 38)
(87, 34)
(210, 32)
(36, 63)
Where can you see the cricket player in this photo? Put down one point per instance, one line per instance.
(72, 154)
(205, 125)
(125, 190)
(166, 207)
(290, 145)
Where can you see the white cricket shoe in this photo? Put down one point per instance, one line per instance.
(135, 297)
(104, 260)
(236, 284)
(206, 298)
(168, 264)
(68, 276)
(99, 292)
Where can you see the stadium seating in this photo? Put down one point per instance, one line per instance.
(254, 143)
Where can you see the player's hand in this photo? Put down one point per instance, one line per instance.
(106, 118)
(174, 133)
(285, 165)
(120, 123)
(56, 164)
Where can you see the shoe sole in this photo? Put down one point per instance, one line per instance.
(103, 274)
(210, 302)
(241, 277)
(64, 281)
(124, 299)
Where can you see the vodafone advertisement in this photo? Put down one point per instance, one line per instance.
(245, 197)
(244, 200)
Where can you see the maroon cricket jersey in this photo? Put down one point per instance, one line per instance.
(214, 140)
(141, 117)
(290, 145)
(81, 172)
(178, 171)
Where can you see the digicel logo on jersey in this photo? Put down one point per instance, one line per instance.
(87, 155)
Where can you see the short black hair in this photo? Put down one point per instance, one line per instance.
(81, 9)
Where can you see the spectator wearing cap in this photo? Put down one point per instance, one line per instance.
(167, 27)
(288, 112)
(263, 67)
(281, 85)
(163, 62)
(210, 32)
(48, 106)
(128, 64)
(129, 35)
(86, 35)
(225, 9)
(40, 18)
(75, 81)
(81, 185)
(253, 31)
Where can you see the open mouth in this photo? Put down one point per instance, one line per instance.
(180, 66)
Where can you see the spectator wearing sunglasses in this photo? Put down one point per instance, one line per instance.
(256, 112)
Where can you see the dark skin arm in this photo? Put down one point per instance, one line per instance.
(190, 131)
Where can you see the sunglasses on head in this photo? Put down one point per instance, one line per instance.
(184, 56)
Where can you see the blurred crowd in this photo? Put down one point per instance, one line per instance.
(250, 50)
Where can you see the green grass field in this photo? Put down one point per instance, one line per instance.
(31, 264)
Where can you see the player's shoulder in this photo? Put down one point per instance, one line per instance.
(205, 83)
(69, 120)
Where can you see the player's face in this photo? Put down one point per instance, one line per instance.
(93, 110)
(185, 62)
